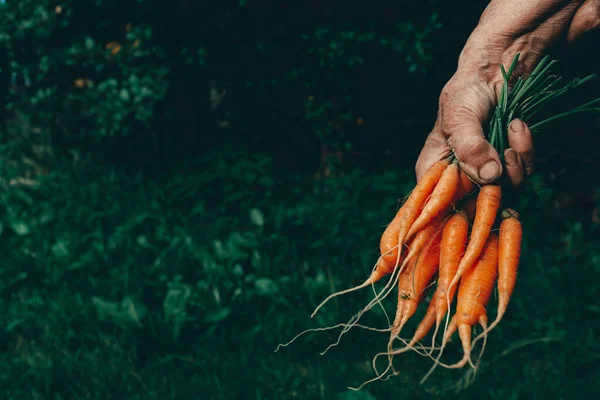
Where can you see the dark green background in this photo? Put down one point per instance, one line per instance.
(155, 247)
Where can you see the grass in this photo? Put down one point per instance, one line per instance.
(122, 286)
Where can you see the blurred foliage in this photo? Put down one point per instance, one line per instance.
(162, 228)
(111, 282)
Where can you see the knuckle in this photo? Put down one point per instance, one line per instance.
(455, 117)
(593, 14)
(468, 146)
(528, 157)
(445, 95)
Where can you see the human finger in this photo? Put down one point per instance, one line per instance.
(521, 140)
(586, 19)
(435, 149)
(514, 166)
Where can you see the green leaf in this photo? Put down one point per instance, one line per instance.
(354, 395)
(20, 227)
(257, 217)
(127, 314)
(217, 315)
(174, 305)
(265, 286)
(89, 43)
(61, 250)
(124, 94)
(176, 300)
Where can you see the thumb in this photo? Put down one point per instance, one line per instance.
(476, 156)
(586, 19)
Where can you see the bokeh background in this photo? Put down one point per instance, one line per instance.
(183, 181)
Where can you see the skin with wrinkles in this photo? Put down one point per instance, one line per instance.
(505, 28)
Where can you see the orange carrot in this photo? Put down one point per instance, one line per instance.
(427, 321)
(424, 326)
(465, 186)
(422, 238)
(411, 209)
(414, 280)
(388, 243)
(412, 284)
(442, 196)
(452, 248)
(509, 251)
(488, 202)
(473, 295)
(386, 264)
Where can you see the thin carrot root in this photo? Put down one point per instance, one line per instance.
(476, 366)
(377, 377)
(328, 328)
(401, 224)
(420, 350)
(426, 323)
(420, 333)
(354, 320)
(340, 293)
(434, 335)
(415, 280)
(381, 376)
(464, 330)
(376, 275)
(483, 335)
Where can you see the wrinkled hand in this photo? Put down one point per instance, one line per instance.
(506, 27)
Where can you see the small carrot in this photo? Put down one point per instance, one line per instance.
(442, 196)
(465, 186)
(411, 209)
(388, 244)
(422, 238)
(414, 280)
(452, 248)
(474, 293)
(414, 249)
(424, 326)
(488, 202)
(452, 245)
(509, 252)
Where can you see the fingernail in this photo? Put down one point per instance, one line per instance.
(489, 171)
(517, 125)
(510, 156)
(528, 170)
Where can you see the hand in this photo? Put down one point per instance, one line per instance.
(506, 27)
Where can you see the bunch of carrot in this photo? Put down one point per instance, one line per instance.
(462, 233)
